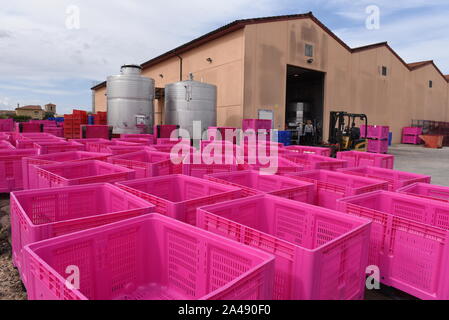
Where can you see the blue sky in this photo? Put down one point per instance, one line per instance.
(43, 60)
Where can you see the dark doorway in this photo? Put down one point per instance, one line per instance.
(305, 102)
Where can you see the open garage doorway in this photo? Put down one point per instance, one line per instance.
(304, 103)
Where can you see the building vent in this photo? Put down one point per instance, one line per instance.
(430, 84)
(384, 71)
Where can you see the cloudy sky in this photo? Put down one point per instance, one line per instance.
(47, 54)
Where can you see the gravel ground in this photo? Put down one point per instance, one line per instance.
(11, 287)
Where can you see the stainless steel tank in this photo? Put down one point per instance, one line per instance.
(190, 101)
(130, 101)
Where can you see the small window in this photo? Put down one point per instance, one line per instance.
(430, 84)
(384, 71)
(309, 50)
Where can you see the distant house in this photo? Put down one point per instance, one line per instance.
(7, 113)
(34, 112)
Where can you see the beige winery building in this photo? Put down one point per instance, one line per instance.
(265, 64)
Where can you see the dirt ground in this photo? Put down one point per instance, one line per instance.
(11, 287)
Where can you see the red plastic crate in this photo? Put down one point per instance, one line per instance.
(407, 139)
(325, 152)
(179, 196)
(11, 178)
(427, 191)
(363, 159)
(149, 258)
(95, 132)
(6, 125)
(78, 173)
(396, 179)
(252, 183)
(332, 186)
(378, 146)
(412, 131)
(148, 163)
(57, 147)
(37, 215)
(29, 127)
(409, 241)
(29, 163)
(272, 165)
(320, 254)
(315, 162)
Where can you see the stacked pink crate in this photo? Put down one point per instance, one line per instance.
(411, 135)
(11, 173)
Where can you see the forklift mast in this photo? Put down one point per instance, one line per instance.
(338, 126)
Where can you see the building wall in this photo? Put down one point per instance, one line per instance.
(101, 104)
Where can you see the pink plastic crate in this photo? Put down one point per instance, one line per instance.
(5, 136)
(139, 141)
(5, 145)
(28, 143)
(375, 132)
(315, 162)
(148, 137)
(57, 147)
(331, 186)
(325, 152)
(252, 183)
(30, 178)
(78, 173)
(263, 148)
(56, 131)
(378, 146)
(363, 159)
(178, 196)
(103, 145)
(165, 131)
(409, 241)
(320, 254)
(43, 214)
(6, 125)
(223, 134)
(256, 124)
(149, 258)
(412, 131)
(148, 163)
(427, 191)
(173, 142)
(273, 165)
(46, 123)
(29, 127)
(167, 148)
(199, 165)
(406, 139)
(11, 169)
(95, 132)
(396, 179)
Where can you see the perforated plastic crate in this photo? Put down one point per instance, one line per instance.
(11, 175)
(139, 141)
(172, 142)
(198, 165)
(5, 145)
(30, 178)
(320, 254)
(57, 147)
(409, 241)
(363, 159)
(332, 186)
(375, 132)
(378, 146)
(6, 136)
(396, 179)
(256, 124)
(37, 215)
(29, 127)
(412, 131)
(103, 146)
(273, 165)
(148, 163)
(252, 183)
(315, 162)
(78, 173)
(96, 131)
(178, 196)
(149, 258)
(427, 191)
(6, 125)
(325, 152)
(406, 139)
(148, 137)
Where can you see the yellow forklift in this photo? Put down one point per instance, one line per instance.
(344, 135)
